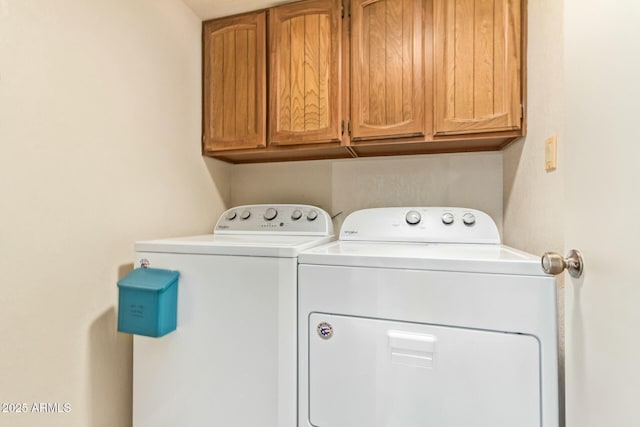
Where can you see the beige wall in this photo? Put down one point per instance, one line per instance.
(469, 180)
(100, 147)
(533, 218)
(99, 140)
(534, 206)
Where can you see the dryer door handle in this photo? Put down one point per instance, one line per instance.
(412, 349)
(412, 341)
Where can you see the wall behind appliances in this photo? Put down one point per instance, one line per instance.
(534, 198)
(99, 140)
(471, 180)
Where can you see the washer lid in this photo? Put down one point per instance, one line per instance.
(239, 245)
(476, 258)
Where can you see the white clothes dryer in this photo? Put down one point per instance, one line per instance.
(419, 317)
(232, 359)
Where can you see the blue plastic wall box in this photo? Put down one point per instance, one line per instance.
(148, 302)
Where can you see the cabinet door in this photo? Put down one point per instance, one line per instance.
(387, 72)
(477, 66)
(305, 81)
(234, 86)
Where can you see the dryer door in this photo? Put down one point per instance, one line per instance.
(375, 373)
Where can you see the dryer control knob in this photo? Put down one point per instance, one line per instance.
(312, 215)
(469, 218)
(296, 214)
(245, 214)
(231, 215)
(447, 218)
(270, 214)
(413, 217)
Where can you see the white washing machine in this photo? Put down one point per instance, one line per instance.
(231, 362)
(419, 317)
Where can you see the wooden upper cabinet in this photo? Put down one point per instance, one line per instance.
(305, 76)
(355, 78)
(234, 98)
(387, 68)
(477, 66)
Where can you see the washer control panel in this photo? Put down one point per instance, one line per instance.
(275, 219)
(421, 224)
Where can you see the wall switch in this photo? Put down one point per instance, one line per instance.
(550, 153)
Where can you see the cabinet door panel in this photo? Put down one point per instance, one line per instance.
(387, 75)
(478, 61)
(305, 73)
(234, 114)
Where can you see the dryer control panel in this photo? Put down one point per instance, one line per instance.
(303, 220)
(420, 224)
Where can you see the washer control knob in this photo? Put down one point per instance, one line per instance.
(296, 214)
(312, 215)
(245, 214)
(469, 218)
(231, 215)
(447, 218)
(413, 217)
(270, 214)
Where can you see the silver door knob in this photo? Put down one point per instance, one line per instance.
(554, 263)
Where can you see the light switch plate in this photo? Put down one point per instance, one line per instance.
(550, 153)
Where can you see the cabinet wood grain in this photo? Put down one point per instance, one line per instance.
(478, 60)
(358, 78)
(234, 83)
(387, 68)
(305, 74)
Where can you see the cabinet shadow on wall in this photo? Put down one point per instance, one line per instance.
(513, 156)
(220, 173)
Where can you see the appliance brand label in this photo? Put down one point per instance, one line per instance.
(325, 330)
